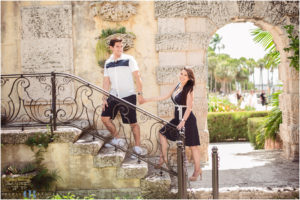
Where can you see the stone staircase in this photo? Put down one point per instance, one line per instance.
(86, 166)
(151, 184)
(109, 157)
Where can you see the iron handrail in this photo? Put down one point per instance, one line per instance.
(51, 113)
(94, 87)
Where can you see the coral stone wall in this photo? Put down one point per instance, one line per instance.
(47, 36)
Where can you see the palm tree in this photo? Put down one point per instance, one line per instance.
(212, 61)
(251, 66)
(261, 64)
(272, 58)
(215, 43)
(225, 70)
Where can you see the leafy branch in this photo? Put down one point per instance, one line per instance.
(294, 46)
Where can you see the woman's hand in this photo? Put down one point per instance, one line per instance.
(181, 125)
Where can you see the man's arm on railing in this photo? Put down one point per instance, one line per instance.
(139, 85)
(160, 98)
(106, 87)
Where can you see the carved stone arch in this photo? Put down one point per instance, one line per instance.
(195, 23)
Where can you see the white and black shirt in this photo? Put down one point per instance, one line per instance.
(120, 74)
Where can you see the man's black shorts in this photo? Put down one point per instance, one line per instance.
(128, 114)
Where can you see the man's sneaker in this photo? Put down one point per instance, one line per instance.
(138, 150)
(115, 141)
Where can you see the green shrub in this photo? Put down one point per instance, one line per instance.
(230, 125)
(254, 125)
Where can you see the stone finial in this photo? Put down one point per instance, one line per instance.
(114, 11)
(127, 39)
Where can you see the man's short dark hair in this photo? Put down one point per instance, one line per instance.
(114, 40)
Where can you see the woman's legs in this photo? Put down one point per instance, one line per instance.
(164, 146)
(196, 158)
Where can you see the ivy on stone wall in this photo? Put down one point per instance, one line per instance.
(294, 46)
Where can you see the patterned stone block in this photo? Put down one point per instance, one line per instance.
(182, 41)
(171, 25)
(132, 169)
(109, 157)
(169, 74)
(86, 145)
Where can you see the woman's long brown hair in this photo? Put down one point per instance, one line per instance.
(189, 86)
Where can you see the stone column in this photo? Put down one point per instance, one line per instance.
(182, 46)
(289, 105)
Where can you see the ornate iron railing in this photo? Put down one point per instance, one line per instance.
(59, 99)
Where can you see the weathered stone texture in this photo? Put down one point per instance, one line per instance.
(246, 8)
(213, 10)
(171, 58)
(169, 74)
(156, 186)
(114, 11)
(47, 55)
(281, 12)
(109, 157)
(132, 169)
(16, 183)
(46, 43)
(182, 41)
(19, 137)
(46, 22)
(171, 25)
(165, 9)
(86, 145)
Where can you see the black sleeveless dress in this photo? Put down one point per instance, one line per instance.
(191, 130)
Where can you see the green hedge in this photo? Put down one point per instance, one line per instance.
(224, 126)
(253, 126)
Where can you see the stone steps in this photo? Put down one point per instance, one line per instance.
(109, 157)
(86, 145)
(103, 157)
(132, 169)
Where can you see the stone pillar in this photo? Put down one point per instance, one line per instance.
(289, 105)
(180, 47)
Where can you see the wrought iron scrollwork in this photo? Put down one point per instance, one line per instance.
(27, 100)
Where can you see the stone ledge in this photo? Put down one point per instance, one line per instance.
(108, 157)
(16, 136)
(132, 169)
(86, 145)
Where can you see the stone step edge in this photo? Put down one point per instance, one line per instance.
(108, 159)
(85, 148)
(132, 169)
(61, 135)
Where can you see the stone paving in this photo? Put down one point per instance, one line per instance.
(243, 168)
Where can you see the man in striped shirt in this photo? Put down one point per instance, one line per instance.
(119, 71)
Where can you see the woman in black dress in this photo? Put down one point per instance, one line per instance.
(182, 95)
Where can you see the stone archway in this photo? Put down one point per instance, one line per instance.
(184, 31)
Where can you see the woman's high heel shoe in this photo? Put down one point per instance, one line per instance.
(195, 176)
